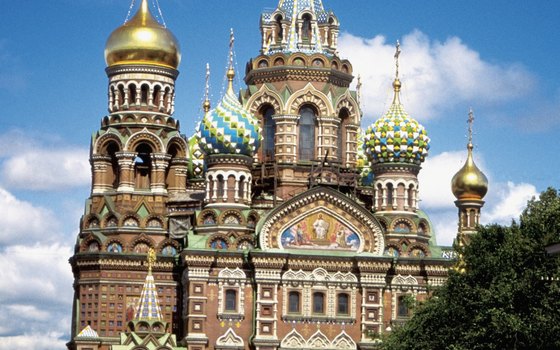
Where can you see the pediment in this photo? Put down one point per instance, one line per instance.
(322, 219)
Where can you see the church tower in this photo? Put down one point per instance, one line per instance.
(469, 186)
(396, 145)
(298, 87)
(138, 162)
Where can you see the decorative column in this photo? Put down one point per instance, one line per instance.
(99, 165)
(126, 166)
(285, 146)
(177, 178)
(160, 162)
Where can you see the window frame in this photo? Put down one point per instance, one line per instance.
(227, 300)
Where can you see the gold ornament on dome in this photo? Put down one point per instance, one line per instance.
(469, 182)
(143, 40)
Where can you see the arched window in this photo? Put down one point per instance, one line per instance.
(344, 116)
(269, 132)
(294, 302)
(113, 174)
(279, 31)
(411, 196)
(143, 166)
(132, 92)
(306, 27)
(231, 300)
(144, 90)
(241, 188)
(318, 303)
(390, 195)
(220, 187)
(342, 304)
(306, 144)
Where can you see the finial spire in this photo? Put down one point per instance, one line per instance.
(397, 55)
(470, 121)
(206, 105)
(397, 82)
(151, 259)
(231, 72)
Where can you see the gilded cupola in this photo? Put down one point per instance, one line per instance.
(469, 182)
(143, 40)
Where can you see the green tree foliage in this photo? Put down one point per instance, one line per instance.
(504, 299)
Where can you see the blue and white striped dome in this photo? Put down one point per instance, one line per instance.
(229, 128)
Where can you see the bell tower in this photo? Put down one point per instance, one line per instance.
(138, 162)
(298, 87)
(469, 186)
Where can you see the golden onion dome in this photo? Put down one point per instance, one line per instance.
(469, 182)
(142, 40)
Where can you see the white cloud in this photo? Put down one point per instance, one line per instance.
(435, 179)
(36, 293)
(436, 76)
(42, 341)
(21, 221)
(507, 202)
(43, 169)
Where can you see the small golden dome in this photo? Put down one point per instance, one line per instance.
(142, 40)
(469, 182)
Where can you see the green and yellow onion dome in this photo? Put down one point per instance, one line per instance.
(196, 158)
(396, 137)
(469, 182)
(362, 162)
(142, 40)
(229, 128)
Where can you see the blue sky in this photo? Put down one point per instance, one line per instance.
(498, 57)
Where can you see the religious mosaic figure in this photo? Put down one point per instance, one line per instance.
(320, 227)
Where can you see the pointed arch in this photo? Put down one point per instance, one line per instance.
(343, 341)
(145, 136)
(293, 340)
(348, 226)
(318, 341)
(230, 340)
(265, 95)
(309, 95)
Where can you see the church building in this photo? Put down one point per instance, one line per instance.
(281, 223)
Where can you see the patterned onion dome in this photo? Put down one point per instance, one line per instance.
(229, 128)
(362, 162)
(396, 137)
(143, 40)
(196, 157)
(469, 182)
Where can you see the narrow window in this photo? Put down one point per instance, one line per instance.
(307, 134)
(143, 166)
(269, 132)
(306, 27)
(342, 304)
(402, 307)
(294, 302)
(220, 189)
(318, 303)
(341, 135)
(231, 300)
